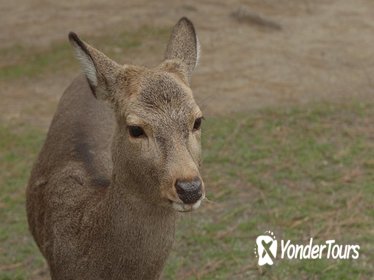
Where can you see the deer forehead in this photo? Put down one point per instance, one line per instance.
(161, 98)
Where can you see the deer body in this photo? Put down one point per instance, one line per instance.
(121, 156)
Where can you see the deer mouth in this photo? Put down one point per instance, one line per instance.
(183, 207)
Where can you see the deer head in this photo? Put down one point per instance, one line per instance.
(156, 146)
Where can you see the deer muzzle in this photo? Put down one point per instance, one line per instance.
(189, 191)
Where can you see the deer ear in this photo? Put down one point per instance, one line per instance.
(101, 72)
(184, 45)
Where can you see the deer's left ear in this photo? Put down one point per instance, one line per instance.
(101, 71)
(184, 45)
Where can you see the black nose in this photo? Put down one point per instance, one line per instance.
(189, 191)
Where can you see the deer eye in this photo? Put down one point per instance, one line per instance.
(136, 131)
(197, 124)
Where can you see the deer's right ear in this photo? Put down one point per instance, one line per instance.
(101, 72)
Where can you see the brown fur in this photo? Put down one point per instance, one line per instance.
(100, 202)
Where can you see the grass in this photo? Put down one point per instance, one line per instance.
(17, 250)
(301, 172)
(23, 61)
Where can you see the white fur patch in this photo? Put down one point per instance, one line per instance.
(196, 205)
(198, 51)
(181, 207)
(87, 64)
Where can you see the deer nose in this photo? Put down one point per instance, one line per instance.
(189, 191)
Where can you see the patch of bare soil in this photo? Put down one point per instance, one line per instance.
(258, 54)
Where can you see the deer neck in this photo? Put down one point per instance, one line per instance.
(136, 236)
(129, 206)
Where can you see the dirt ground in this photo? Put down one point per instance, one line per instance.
(311, 50)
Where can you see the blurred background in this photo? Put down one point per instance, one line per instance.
(287, 91)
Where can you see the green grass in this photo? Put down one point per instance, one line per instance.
(301, 172)
(18, 252)
(22, 61)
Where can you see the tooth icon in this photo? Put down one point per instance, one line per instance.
(266, 249)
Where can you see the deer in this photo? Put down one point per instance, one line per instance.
(121, 159)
